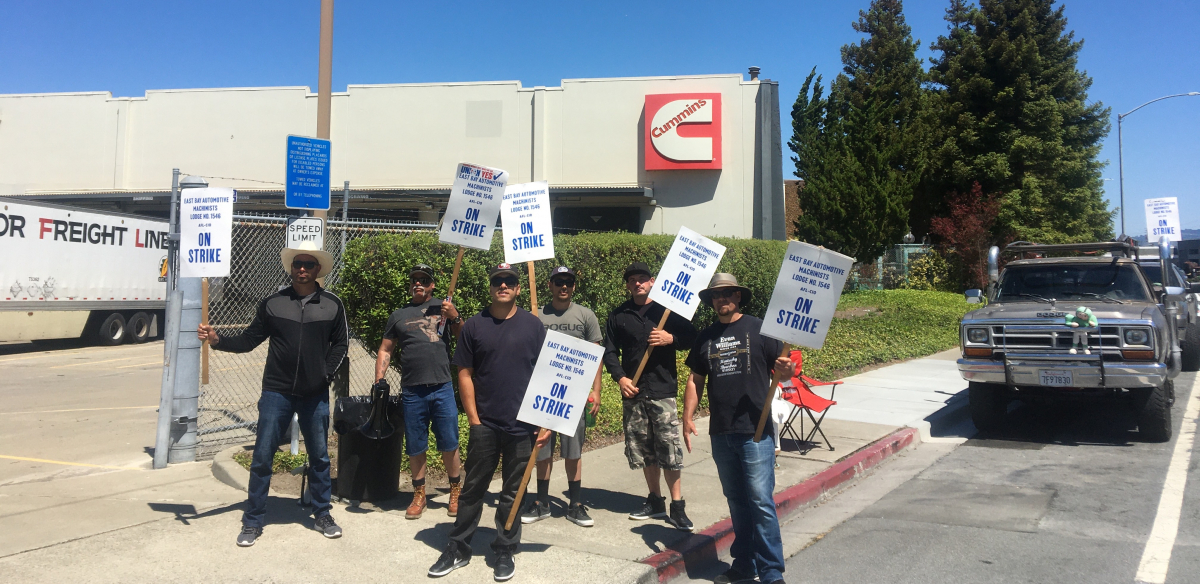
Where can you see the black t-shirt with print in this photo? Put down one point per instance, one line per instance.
(424, 358)
(502, 353)
(737, 362)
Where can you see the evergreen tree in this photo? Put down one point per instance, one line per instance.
(859, 150)
(1012, 113)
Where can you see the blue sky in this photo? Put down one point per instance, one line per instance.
(1134, 51)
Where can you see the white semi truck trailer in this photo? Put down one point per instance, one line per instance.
(67, 272)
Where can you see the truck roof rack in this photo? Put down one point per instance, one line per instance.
(1114, 247)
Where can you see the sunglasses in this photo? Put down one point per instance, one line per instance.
(510, 281)
(563, 282)
(298, 264)
(716, 294)
(424, 281)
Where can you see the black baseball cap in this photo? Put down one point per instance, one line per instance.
(637, 268)
(421, 269)
(560, 271)
(503, 269)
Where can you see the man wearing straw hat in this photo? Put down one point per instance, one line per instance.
(307, 328)
(737, 362)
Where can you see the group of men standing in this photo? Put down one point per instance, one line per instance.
(495, 354)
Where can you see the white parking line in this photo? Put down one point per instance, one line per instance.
(1156, 558)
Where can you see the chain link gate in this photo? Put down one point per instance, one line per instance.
(229, 403)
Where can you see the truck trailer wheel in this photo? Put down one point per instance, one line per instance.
(112, 330)
(1190, 347)
(988, 405)
(138, 328)
(1154, 417)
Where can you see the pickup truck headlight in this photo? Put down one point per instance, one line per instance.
(977, 335)
(1137, 337)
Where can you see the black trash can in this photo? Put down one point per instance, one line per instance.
(368, 469)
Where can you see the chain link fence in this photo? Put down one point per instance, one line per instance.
(229, 403)
(887, 272)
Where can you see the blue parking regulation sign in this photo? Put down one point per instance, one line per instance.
(307, 173)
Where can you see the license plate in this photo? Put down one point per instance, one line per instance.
(1055, 377)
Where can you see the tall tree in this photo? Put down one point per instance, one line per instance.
(1012, 111)
(859, 150)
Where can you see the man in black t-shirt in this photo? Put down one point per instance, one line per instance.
(426, 391)
(737, 362)
(496, 353)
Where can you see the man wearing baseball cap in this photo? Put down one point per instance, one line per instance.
(307, 328)
(738, 361)
(578, 321)
(496, 352)
(649, 412)
(427, 393)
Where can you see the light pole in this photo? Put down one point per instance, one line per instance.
(1120, 158)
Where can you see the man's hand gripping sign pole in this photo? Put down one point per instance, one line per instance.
(528, 234)
(557, 394)
(471, 212)
(686, 271)
(806, 294)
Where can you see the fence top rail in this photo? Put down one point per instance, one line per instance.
(339, 224)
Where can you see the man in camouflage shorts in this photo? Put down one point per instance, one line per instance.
(652, 437)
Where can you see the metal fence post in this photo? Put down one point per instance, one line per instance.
(185, 405)
(294, 428)
(162, 438)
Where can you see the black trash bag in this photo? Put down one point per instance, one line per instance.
(368, 468)
(378, 426)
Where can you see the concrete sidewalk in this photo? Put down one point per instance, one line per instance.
(134, 524)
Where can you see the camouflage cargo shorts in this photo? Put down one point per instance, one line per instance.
(652, 433)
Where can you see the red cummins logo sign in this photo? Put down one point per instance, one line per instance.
(683, 131)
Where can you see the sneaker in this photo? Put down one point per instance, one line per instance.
(248, 536)
(1074, 350)
(537, 512)
(451, 560)
(505, 568)
(678, 517)
(578, 515)
(732, 576)
(327, 527)
(653, 506)
(417, 507)
(455, 493)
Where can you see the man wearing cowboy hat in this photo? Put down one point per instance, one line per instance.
(306, 325)
(739, 362)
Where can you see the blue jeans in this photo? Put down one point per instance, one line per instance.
(274, 415)
(429, 403)
(747, 472)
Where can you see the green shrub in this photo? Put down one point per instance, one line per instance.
(930, 271)
(284, 461)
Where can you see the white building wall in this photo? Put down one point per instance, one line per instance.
(588, 132)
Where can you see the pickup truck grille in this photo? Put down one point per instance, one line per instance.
(1021, 338)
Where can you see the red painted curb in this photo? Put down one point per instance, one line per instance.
(707, 544)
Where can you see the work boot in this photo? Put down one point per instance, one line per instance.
(417, 507)
(455, 491)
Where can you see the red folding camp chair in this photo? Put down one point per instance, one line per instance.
(798, 392)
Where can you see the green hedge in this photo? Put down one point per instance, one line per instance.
(374, 279)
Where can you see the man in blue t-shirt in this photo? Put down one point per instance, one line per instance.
(736, 360)
(497, 350)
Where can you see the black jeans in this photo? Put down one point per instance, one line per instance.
(486, 449)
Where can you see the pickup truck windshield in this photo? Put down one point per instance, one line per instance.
(1063, 281)
(1154, 272)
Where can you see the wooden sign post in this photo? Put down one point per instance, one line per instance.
(533, 306)
(776, 379)
(520, 494)
(204, 321)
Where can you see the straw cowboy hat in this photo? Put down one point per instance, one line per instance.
(287, 254)
(721, 281)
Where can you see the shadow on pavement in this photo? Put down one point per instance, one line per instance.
(185, 513)
(1101, 423)
(660, 536)
(611, 501)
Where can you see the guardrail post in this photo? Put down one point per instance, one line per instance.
(162, 438)
(186, 402)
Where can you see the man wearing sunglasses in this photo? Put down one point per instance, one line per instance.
(578, 321)
(306, 325)
(650, 417)
(737, 362)
(427, 394)
(496, 352)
